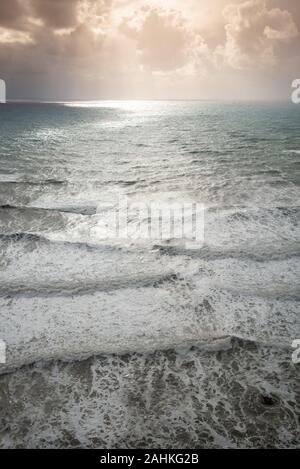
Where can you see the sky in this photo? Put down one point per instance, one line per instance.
(149, 49)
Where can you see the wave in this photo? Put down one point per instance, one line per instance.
(212, 254)
(46, 182)
(205, 253)
(230, 213)
(211, 345)
(296, 152)
(247, 212)
(23, 236)
(64, 289)
(263, 253)
(76, 210)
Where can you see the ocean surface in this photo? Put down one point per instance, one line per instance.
(116, 342)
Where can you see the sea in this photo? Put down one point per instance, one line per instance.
(116, 340)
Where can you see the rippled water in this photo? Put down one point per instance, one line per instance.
(116, 342)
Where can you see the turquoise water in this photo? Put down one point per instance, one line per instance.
(120, 342)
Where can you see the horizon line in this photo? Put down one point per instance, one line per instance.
(62, 101)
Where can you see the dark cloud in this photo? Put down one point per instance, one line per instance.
(44, 53)
(12, 13)
(56, 13)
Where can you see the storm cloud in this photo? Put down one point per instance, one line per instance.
(94, 49)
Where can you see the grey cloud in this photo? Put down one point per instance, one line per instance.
(255, 33)
(56, 13)
(162, 38)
